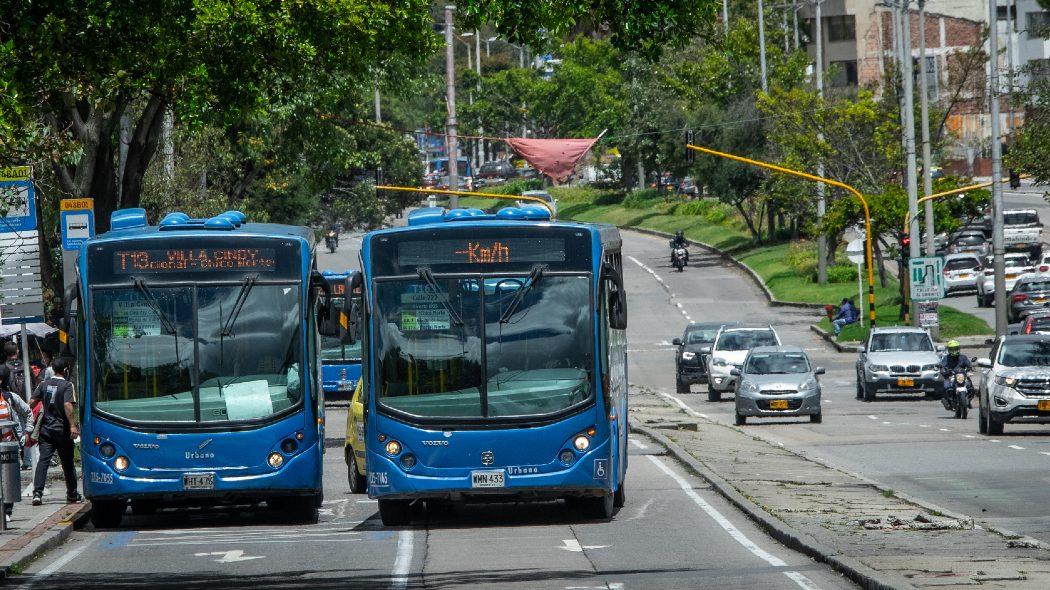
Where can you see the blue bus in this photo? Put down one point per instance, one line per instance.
(199, 378)
(341, 353)
(496, 361)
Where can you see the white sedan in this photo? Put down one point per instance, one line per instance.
(1015, 266)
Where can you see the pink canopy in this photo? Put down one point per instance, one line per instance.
(556, 158)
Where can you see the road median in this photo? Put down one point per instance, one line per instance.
(871, 534)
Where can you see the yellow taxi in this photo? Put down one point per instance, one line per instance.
(354, 450)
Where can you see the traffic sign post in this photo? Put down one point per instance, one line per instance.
(855, 253)
(78, 225)
(925, 287)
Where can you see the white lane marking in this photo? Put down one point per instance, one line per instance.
(943, 429)
(994, 440)
(885, 422)
(232, 556)
(58, 564)
(574, 546)
(403, 561)
(691, 319)
(244, 542)
(1044, 453)
(367, 501)
(924, 425)
(968, 435)
(728, 527)
(615, 585)
(1019, 448)
(639, 444)
(873, 417)
(681, 404)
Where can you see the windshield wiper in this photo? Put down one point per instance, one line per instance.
(242, 296)
(151, 301)
(428, 278)
(534, 277)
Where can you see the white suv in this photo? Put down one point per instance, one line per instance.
(732, 343)
(1015, 384)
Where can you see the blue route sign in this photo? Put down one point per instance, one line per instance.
(18, 198)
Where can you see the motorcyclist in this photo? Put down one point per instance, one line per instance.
(679, 240)
(951, 362)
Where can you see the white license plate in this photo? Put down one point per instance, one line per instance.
(198, 481)
(488, 479)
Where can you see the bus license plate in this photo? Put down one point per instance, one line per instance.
(487, 479)
(1043, 405)
(198, 481)
(905, 382)
(778, 404)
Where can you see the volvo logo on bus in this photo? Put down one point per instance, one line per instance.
(435, 443)
(487, 458)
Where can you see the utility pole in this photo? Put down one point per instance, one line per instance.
(914, 250)
(822, 240)
(376, 98)
(762, 45)
(1010, 8)
(483, 149)
(794, 20)
(924, 114)
(450, 90)
(725, 17)
(997, 164)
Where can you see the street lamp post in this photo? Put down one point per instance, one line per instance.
(997, 157)
(450, 90)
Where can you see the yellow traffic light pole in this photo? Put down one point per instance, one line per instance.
(828, 181)
(431, 191)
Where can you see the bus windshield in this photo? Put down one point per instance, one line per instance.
(485, 347)
(247, 362)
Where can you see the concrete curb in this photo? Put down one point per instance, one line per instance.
(853, 569)
(830, 338)
(725, 254)
(51, 538)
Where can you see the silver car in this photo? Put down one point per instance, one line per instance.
(1015, 383)
(777, 381)
(899, 360)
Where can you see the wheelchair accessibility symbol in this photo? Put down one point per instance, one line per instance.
(601, 468)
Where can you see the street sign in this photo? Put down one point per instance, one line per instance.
(18, 199)
(926, 280)
(855, 251)
(21, 296)
(77, 221)
(927, 311)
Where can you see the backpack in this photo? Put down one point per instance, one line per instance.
(16, 377)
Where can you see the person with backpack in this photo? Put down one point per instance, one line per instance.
(8, 434)
(56, 431)
(13, 385)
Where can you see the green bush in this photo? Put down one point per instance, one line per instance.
(609, 198)
(697, 207)
(801, 256)
(643, 199)
(514, 187)
(842, 273)
(584, 194)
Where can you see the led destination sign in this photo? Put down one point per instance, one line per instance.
(194, 260)
(490, 251)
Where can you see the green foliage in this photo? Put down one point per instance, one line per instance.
(802, 257)
(643, 199)
(840, 273)
(515, 187)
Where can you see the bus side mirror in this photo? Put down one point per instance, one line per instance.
(327, 312)
(349, 318)
(617, 303)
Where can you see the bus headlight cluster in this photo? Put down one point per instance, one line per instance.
(581, 443)
(275, 460)
(107, 450)
(393, 448)
(121, 463)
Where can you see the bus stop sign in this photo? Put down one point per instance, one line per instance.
(926, 278)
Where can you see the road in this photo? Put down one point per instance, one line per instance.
(674, 532)
(1028, 196)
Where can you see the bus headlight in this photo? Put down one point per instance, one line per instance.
(107, 450)
(275, 460)
(393, 448)
(289, 446)
(121, 463)
(567, 457)
(581, 443)
(408, 461)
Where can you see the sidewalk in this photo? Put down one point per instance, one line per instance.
(874, 536)
(36, 529)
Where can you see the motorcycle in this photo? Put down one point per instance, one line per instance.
(676, 246)
(958, 393)
(331, 240)
(678, 258)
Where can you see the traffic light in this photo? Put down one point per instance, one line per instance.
(905, 248)
(690, 155)
(1015, 178)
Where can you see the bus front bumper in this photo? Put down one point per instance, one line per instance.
(299, 475)
(589, 475)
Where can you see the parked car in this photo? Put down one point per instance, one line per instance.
(552, 203)
(732, 343)
(690, 359)
(972, 242)
(1029, 294)
(1015, 265)
(1015, 383)
(1037, 322)
(898, 360)
(1042, 266)
(496, 172)
(688, 187)
(961, 272)
(777, 381)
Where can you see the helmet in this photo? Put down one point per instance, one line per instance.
(953, 347)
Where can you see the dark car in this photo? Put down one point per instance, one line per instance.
(691, 355)
(1036, 323)
(1030, 294)
(969, 242)
(497, 171)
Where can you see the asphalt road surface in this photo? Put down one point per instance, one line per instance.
(674, 532)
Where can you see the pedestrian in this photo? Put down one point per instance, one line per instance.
(13, 387)
(7, 433)
(20, 412)
(58, 431)
(848, 314)
(42, 367)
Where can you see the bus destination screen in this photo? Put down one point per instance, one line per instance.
(173, 260)
(475, 251)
